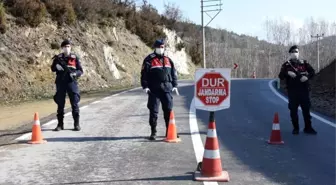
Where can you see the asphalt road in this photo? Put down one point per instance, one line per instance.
(112, 147)
(245, 127)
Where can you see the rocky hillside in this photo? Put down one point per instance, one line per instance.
(113, 36)
(110, 54)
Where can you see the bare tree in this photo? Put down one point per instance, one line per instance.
(173, 13)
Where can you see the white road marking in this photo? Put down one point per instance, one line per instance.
(312, 114)
(50, 122)
(108, 97)
(196, 137)
(24, 137)
(95, 102)
(84, 107)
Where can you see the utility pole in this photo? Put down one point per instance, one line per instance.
(318, 49)
(208, 6)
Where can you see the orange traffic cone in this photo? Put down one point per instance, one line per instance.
(211, 166)
(171, 133)
(37, 137)
(275, 137)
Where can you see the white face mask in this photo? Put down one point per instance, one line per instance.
(66, 50)
(295, 55)
(159, 51)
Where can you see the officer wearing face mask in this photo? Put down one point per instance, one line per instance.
(158, 79)
(68, 68)
(297, 73)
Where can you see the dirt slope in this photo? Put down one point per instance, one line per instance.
(323, 90)
(111, 57)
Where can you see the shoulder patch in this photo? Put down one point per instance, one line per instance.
(152, 55)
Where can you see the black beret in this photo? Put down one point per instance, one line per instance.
(65, 42)
(158, 43)
(293, 48)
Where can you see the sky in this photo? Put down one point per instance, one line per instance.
(248, 16)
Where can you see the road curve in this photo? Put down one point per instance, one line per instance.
(244, 128)
(112, 147)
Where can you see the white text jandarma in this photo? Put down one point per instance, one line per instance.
(212, 92)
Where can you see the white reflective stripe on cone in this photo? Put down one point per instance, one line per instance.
(172, 121)
(37, 122)
(211, 133)
(276, 127)
(211, 154)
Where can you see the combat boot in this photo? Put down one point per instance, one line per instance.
(295, 131)
(153, 133)
(310, 131)
(296, 127)
(308, 127)
(76, 122)
(60, 125)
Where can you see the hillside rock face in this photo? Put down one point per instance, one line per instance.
(180, 58)
(111, 57)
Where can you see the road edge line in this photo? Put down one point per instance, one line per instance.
(196, 137)
(286, 100)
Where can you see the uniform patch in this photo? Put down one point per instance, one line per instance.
(152, 55)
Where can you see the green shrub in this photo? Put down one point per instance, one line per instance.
(195, 54)
(179, 46)
(2, 19)
(61, 11)
(30, 12)
(145, 24)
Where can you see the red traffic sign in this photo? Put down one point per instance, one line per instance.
(235, 66)
(212, 89)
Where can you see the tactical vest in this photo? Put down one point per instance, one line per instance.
(72, 62)
(69, 65)
(161, 70)
(300, 70)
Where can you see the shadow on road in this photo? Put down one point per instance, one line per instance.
(187, 177)
(52, 129)
(15, 143)
(188, 133)
(14, 133)
(85, 139)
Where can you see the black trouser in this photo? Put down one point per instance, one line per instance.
(302, 99)
(59, 98)
(154, 99)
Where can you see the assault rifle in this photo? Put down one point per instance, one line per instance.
(64, 65)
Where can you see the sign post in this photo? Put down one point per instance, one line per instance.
(212, 93)
(235, 67)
